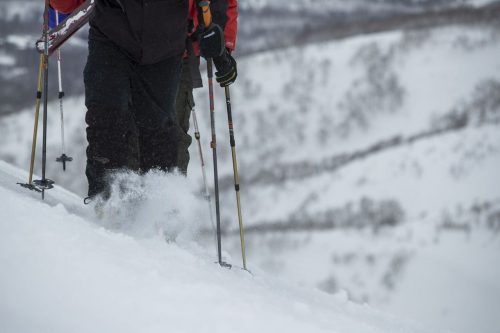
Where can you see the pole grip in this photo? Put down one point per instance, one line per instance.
(206, 13)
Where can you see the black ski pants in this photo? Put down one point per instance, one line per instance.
(131, 118)
(184, 105)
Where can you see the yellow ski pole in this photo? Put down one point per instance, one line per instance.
(41, 185)
(236, 176)
(207, 19)
(37, 114)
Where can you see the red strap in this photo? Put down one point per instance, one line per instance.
(66, 6)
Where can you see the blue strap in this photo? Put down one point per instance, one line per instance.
(52, 17)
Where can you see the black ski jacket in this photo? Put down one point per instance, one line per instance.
(149, 31)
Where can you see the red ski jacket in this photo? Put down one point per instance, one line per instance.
(229, 21)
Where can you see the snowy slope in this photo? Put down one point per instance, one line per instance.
(63, 273)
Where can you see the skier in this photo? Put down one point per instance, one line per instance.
(132, 78)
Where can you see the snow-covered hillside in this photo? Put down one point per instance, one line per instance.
(375, 163)
(61, 272)
(366, 5)
(367, 164)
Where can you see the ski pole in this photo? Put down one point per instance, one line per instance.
(41, 66)
(44, 183)
(37, 116)
(207, 20)
(236, 175)
(203, 171)
(63, 158)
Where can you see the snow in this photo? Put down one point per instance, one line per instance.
(62, 272)
(7, 60)
(455, 267)
(20, 10)
(446, 279)
(21, 41)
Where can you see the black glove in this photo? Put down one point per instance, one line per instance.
(226, 69)
(212, 42)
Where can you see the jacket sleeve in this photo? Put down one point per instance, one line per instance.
(231, 28)
(225, 13)
(66, 6)
(193, 16)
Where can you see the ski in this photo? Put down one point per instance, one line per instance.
(60, 34)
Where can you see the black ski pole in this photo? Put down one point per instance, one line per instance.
(236, 175)
(44, 183)
(63, 158)
(207, 20)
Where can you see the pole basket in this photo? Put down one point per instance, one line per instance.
(44, 184)
(63, 159)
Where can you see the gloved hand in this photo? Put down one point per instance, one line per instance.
(227, 70)
(52, 17)
(212, 42)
